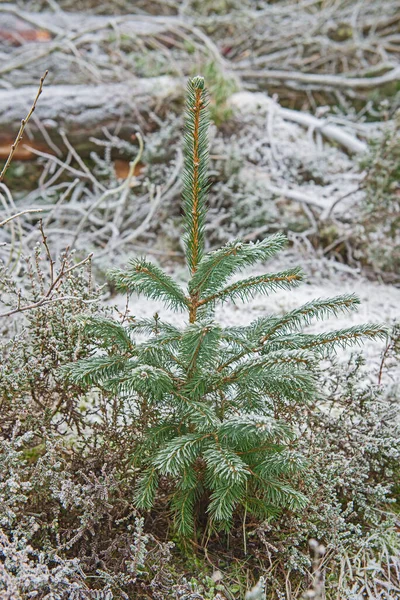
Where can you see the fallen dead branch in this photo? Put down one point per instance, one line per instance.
(83, 111)
(314, 81)
(248, 102)
(308, 53)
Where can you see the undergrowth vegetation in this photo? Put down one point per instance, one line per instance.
(379, 226)
(132, 448)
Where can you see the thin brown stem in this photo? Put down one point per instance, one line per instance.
(22, 128)
(45, 244)
(47, 298)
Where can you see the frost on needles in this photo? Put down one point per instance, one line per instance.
(205, 400)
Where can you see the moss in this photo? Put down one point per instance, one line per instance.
(31, 455)
(23, 175)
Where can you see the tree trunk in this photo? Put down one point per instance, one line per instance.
(83, 112)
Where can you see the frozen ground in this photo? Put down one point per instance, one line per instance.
(380, 303)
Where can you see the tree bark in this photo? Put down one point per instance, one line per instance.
(83, 112)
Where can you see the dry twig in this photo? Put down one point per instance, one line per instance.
(22, 128)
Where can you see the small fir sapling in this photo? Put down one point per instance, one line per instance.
(207, 399)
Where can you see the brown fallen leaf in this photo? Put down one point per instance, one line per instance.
(18, 36)
(122, 168)
(22, 152)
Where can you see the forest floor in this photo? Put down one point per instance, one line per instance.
(305, 139)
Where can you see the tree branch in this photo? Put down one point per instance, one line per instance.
(22, 128)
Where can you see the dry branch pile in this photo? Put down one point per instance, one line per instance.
(337, 49)
(116, 69)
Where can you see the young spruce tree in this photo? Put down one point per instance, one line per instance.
(204, 399)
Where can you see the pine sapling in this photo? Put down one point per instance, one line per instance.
(206, 399)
